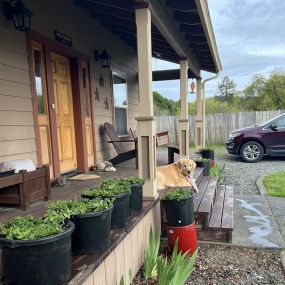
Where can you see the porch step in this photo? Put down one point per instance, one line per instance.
(198, 175)
(204, 200)
(220, 226)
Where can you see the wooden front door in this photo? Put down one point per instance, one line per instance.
(64, 113)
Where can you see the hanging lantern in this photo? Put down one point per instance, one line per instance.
(103, 57)
(20, 15)
(192, 87)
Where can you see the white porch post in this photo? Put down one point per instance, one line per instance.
(199, 117)
(145, 120)
(184, 118)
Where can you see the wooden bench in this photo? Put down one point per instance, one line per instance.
(26, 187)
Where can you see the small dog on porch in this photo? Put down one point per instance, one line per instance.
(178, 174)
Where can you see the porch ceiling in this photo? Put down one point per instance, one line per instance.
(119, 16)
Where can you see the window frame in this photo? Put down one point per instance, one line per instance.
(122, 75)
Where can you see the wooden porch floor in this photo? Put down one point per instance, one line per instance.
(73, 189)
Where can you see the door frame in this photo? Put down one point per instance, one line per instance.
(75, 58)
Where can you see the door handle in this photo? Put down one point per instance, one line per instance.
(53, 106)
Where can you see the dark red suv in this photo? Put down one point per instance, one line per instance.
(254, 142)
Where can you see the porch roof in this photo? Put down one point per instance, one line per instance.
(179, 29)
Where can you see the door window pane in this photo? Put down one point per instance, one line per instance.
(121, 104)
(86, 91)
(39, 81)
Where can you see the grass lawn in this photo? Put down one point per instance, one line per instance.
(275, 184)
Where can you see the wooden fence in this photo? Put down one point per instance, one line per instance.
(218, 126)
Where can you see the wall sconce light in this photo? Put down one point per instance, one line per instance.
(104, 58)
(21, 16)
(192, 87)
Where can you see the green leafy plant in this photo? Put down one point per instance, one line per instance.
(31, 228)
(68, 208)
(134, 180)
(109, 189)
(203, 159)
(218, 171)
(151, 254)
(206, 149)
(178, 270)
(176, 195)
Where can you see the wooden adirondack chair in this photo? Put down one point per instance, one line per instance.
(123, 153)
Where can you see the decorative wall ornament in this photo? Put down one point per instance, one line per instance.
(106, 102)
(97, 95)
(101, 80)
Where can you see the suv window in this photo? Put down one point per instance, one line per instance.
(281, 123)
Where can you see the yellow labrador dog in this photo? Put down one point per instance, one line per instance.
(178, 174)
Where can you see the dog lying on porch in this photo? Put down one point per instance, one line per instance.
(178, 174)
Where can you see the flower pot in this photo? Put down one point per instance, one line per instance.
(208, 153)
(121, 211)
(187, 238)
(206, 165)
(45, 261)
(179, 213)
(136, 197)
(92, 232)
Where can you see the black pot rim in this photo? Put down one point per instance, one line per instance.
(40, 241)
(137, 184)
(93, 214)
(182, 200)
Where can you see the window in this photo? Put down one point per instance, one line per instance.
(281, 123)
(39, 72)
(121, 104)
(86, 89)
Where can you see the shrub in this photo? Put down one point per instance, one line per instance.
(150, 258)
(218, 171)
(178, 270)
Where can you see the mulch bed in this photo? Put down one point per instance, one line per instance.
(222, 265)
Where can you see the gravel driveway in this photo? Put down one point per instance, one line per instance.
(244, 175)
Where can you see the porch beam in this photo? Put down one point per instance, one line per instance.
(199, 115)
(163, 22)
(184, 118)
(145, 120)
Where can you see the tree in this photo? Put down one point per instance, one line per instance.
(163, 106)
(226, 90)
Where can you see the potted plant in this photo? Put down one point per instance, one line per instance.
(92, 220)
(121, 193)
(178, 205)
(36, 250)
(136, 197)
(205, 163)
(208, 153)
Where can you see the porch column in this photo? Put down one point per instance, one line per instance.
(184, 118)
(145, 120)
(199, 116)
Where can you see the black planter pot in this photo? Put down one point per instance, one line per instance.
(121, 211)
(92, 232)
(46, 261)
(136, 197)
(206, 165)
(179, 213)
(208, 153)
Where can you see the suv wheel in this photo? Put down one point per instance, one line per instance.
(252, 151)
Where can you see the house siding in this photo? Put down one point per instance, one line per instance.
(17, 136)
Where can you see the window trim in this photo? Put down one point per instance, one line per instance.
(123, 75)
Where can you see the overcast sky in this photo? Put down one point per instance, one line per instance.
(250, 35)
